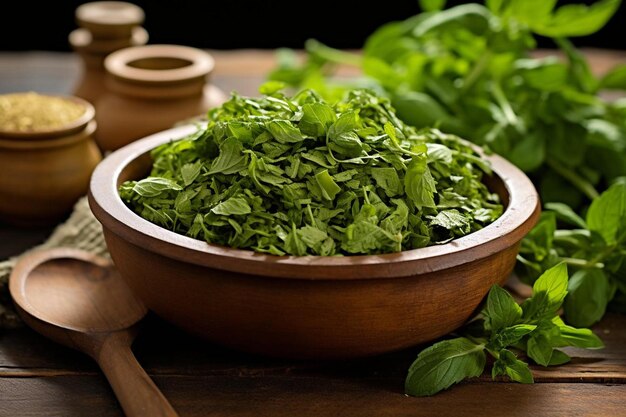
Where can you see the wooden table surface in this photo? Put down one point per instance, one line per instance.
(40, 378)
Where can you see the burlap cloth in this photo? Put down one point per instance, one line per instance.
(81, 231)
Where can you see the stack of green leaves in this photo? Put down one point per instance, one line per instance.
(299, 176)
(594, 247)
(503, 328)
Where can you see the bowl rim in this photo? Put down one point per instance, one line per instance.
(516, 221)
(71, 127)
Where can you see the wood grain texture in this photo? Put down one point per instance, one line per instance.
(165, 350)
(72, 396)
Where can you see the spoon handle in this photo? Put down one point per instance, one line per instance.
(134, 389)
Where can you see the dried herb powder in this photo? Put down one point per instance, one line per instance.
(301, 176)
(32, 112)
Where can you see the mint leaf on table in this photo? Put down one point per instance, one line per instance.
(508, 364)
(501, 310)
(503, 328)
(302, 176)
(549, 291)
(444, 364)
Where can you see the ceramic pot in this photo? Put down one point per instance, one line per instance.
(106, 26)
(45, 172)
(149, 89)
(109, 19)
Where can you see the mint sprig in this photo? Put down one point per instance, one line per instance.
(594, 249)
(503, 328)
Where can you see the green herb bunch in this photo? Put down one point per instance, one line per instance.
(502, 328)
(472, 70)
(299, 176)
(594, 247)
(469, 71)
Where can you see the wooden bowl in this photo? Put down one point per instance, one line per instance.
(307, 306)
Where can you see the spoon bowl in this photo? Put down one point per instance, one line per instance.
(79, 300)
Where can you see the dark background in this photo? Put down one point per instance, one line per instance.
(44, 25)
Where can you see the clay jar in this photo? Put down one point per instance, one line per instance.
(149, 89)
(45, 172)
(105, 27)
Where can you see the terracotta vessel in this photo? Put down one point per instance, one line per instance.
(150, 88)
(105, 27)
(310, 306)
(43, 173)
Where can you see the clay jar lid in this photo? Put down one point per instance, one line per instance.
(158, 71)
(62, 131)
(82, 40)
(109, 19)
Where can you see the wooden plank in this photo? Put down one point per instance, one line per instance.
(164, 350)
(70, 396)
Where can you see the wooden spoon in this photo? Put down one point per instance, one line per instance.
(78, 299)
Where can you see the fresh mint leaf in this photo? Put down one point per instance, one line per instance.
(452, 220)
(530, 12)
(444, 364)
(559, 358)
(230, 159)
(328, 186)
(588, 297)
(284, 132)
(566, 214)
(509, 336)
(614, 79)
(501, 309)
(530, 153)
(232, 206)
(549, 291)
(577, 19)
(508, 364)
(539, 241)
(271, 87)
(582, 338)
(607, 213)
(388, 180)
(419, 184)
(190, 172)
(154, 186)
(432, 5)
(539, 348)
(316, 119)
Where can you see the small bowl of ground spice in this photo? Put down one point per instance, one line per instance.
(47, 154)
